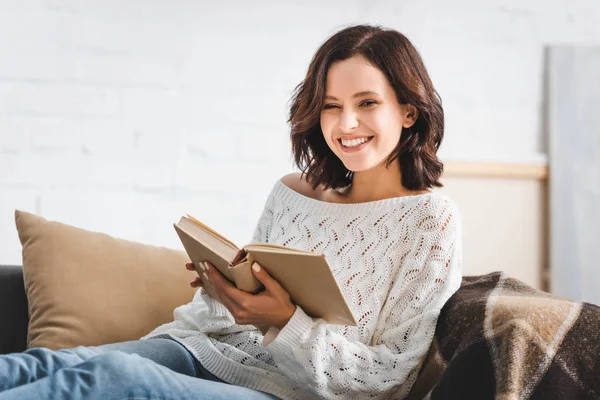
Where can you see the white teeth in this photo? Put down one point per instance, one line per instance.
(354, 142)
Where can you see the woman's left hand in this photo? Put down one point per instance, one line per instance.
(271, 307)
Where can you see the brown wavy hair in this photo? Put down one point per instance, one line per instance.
(397, 58)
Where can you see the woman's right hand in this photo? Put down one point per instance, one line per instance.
(197, 282)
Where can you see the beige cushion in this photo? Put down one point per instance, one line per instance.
(88, 288)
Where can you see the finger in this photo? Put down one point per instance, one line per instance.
(217, 293)
(263, 276)
(190, 267)
(215, 277)
(223, 285)
(196, 283)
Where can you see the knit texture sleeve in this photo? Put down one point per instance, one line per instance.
(330, 365)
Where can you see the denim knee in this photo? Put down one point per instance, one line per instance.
(120, 363)
(38, 352)
(117, 369)
(112, 374)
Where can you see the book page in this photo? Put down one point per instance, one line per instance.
(225, 249)
(201, 246)
(275, 248)
(215, 233)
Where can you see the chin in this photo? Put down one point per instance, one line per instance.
(365, 164)
(359, 167)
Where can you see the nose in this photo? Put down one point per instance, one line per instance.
(348, 121)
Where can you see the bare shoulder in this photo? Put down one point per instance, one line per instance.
(299, 184)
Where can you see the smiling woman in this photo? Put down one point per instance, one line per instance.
(367, 98)
(370, 120)
(366, 124)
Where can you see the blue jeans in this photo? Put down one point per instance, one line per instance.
(142, 369)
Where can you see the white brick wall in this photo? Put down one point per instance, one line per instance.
(120, 116)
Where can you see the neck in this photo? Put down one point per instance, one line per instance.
(377, 184)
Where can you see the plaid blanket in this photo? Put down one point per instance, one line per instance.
(498, 338)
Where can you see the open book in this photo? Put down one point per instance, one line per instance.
(305, 275)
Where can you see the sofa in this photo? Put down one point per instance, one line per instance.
(529, 344)
(496, 337)
(13, 310)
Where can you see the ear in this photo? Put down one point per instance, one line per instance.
(411, 114)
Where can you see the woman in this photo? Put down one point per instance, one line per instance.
(366, 124)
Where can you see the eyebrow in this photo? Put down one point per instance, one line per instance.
(359, 94)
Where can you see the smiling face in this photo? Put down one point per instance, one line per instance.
(361, 118)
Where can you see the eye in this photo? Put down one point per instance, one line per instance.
(368, 103)
(330, 106)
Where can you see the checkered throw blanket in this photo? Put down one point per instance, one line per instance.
(498, 338)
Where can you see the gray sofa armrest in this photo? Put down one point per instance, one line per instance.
(14, 316)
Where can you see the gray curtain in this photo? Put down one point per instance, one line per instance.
(573, 123)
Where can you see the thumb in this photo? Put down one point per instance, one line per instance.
(263, 276)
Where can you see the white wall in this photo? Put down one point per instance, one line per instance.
(119, 116)
(504, 226)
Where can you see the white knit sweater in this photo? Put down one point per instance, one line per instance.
(397, 262)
